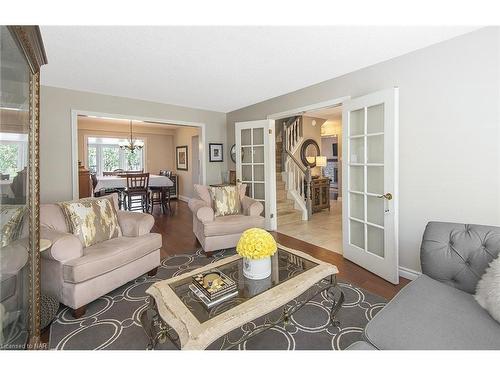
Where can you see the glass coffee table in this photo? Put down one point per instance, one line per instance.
(175, 312)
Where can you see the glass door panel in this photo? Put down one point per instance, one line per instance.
(366, 178)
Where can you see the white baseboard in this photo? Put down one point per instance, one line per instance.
(183, 198)
(408, 273)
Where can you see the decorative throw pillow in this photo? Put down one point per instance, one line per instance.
(226, 200)
(488, 290)
(11, 220)
(242, 189)
(93, 220)
(203, 193)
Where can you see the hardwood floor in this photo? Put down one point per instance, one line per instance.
(178, 238)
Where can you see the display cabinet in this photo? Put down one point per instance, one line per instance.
(21, 56)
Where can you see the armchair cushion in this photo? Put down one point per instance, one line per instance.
(65, 246)
(428, 314)
(226, 200)
(203, 193)
(135, 224)
(107, 256)
(233, 224)
(93, 220)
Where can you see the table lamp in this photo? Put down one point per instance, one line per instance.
(321, 162)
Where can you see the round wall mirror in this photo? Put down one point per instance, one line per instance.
(232, 153)
(308, 152)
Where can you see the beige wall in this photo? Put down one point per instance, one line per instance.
(55, 132)
(183, 138)
(159, 141)
(449, 164)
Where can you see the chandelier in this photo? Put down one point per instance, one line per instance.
(131, 144)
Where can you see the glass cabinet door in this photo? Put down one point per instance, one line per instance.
(14, 171)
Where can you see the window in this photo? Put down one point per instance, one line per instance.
(13, 153)
(104, 155)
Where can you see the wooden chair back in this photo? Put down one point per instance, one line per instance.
(137, 181)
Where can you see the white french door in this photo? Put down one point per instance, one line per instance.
(255, 144)
(370, 182)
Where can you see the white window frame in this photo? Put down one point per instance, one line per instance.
(99, 158)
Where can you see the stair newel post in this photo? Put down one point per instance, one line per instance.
(308, 192)
(283, 147)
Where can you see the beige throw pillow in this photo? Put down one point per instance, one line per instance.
(93, 220)
(203, 193)
(226, 200)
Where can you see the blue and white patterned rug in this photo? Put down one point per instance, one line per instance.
(112, 321)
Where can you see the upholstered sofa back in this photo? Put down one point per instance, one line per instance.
(458, 254)
(51, 215)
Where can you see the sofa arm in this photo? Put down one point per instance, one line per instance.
(195, 204)
(65, 246)
(201, 210)
(251, 207)
(135, 224)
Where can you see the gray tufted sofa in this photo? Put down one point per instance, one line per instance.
(438, 309)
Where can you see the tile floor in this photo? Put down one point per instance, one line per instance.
(324, 229)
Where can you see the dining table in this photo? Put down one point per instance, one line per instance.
(120, 182)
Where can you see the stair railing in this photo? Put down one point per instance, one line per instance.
(297, 176)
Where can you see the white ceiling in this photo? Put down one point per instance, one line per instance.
(220, 68)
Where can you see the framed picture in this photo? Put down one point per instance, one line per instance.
(181, 158)
(216, 152)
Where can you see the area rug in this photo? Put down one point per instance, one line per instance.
(112, 321)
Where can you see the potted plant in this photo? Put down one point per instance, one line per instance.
(256, 246)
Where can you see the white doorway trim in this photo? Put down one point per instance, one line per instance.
(74, 139)
(310, 107)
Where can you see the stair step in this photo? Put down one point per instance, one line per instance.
(284, 204)
(289, 216)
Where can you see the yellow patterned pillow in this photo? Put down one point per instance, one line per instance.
(92, 220)
(225, 200)
(11, 223)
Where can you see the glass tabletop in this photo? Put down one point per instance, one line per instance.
(285, 266)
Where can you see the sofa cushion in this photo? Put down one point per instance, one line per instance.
(225, 200)
(232, 224)
(203, 193)
(51, 216)
(11, 219)
(109, 255)
(428, 314)
(7, 286)
(93, 220)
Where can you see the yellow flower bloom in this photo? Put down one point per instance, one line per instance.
(256, 243)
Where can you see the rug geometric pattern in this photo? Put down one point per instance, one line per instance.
(112, 321)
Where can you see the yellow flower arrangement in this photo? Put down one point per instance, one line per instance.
(256, 243)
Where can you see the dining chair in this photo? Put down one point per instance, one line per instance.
(159, 195)
(137, 191)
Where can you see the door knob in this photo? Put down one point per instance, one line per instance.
(387, 196)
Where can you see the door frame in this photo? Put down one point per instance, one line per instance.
(324, 104)
(74, 139)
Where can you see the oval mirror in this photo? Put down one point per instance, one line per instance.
(308, 152)
(232, 153)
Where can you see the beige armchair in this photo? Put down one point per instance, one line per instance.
(223, 232)
(76, 275)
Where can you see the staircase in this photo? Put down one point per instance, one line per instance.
(285, 207)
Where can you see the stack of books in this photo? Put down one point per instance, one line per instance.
(213, 287)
